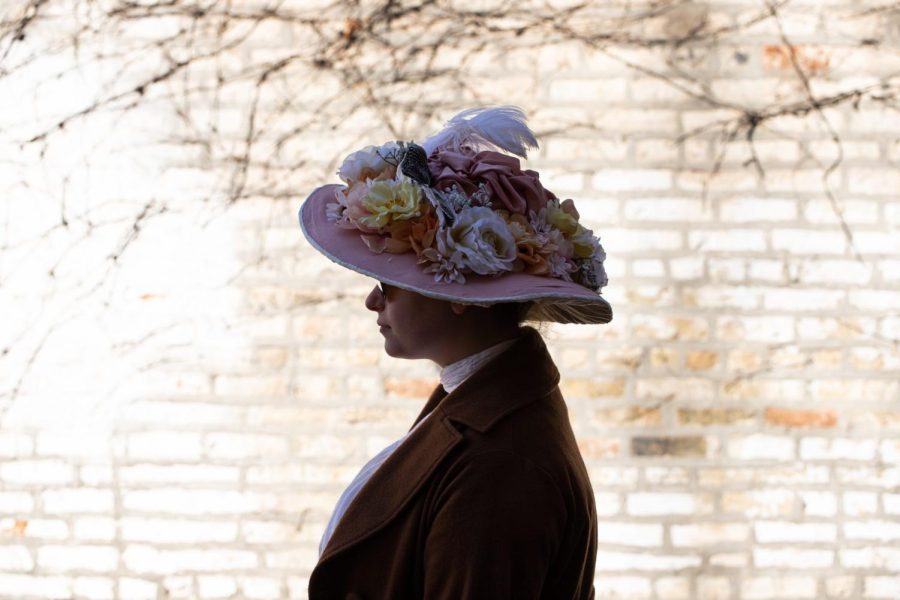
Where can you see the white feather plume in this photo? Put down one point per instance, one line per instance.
(485, 128)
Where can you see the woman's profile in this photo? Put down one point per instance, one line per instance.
(486, 495)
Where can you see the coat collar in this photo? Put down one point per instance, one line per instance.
(522, 373)
(514, 378)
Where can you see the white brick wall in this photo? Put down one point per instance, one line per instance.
(186, 427)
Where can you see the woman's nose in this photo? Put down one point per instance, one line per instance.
(375, 301)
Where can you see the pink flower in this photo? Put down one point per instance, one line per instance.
(509, 186)
(368, 163)
(348, 209)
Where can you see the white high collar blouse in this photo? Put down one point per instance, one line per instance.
(454, 374)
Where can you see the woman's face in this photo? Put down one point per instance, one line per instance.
(413, 326)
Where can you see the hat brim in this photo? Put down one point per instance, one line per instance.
(555, 299)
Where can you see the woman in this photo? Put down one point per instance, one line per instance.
(487, 495)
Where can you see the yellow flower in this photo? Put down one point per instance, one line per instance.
(561, 219)
(390, 201)
(569, 207)
(583, 240)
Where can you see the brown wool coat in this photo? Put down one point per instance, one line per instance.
(489, 498)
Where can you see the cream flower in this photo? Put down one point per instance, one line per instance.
(389, 201)
(483, 239)
(368, 163)
(446, 265)
(557, 241)
(444, 268)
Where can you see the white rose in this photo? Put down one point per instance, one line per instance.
(366, 163)
(483, 239)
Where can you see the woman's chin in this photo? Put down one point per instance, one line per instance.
(392, 348)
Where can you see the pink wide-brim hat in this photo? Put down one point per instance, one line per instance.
(554, 299)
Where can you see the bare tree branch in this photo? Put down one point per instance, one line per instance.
(397, 61)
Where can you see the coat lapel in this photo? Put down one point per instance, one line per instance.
(517, 376)
(395, 482)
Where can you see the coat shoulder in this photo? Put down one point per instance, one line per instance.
(537, 438)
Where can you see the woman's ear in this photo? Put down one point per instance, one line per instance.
(458, 308)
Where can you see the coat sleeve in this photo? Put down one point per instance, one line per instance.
(497, 525)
